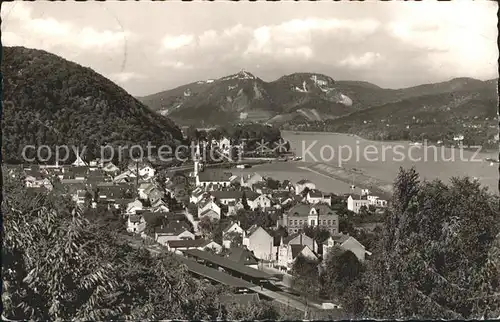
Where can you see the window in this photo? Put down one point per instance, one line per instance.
(300, 222)
(295, 222)
(313, 222)
(324, 222)
(329, 222)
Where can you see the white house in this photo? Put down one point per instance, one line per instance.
(345, 242)
(133, 206)
(289, 253)
(251, 179)
(136, 224)
(208, 204)
(354, 203)
(178, 246)
(232, 228)
(303, 184)
(376, 201)
(260, 242)
(197, 195)
(316, 196)
(177, 230)
(255, 201)
(79, 162)
(111, 169)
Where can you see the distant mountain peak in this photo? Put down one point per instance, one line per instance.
(242, 74)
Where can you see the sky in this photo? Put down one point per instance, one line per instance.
(147, 47)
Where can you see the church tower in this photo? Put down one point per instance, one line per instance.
(197, 164)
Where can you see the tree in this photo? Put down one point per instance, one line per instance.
(342, 268)
(244, 201)
(235, 238)
(306, 277)
(433, 256)
(272, 184)
(56, 264)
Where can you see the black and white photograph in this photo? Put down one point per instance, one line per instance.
(227, 160)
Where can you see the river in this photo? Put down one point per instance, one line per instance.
(377, 162)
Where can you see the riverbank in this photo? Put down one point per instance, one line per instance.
(429, 142)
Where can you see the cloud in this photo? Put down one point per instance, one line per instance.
(458, 39)
(176, 65)
(176, 42)
(49, 33)
(125, 77)
(363, 61)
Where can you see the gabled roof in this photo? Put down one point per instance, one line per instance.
(226, 194)
(206, 212)
(134, 218)
(252, 195)
(340, 238)
(214, 176)
(315, 194)
(188, 243)
(297, 249)
(242, 256)
(172, 228)
(228, 226)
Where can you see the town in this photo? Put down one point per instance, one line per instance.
(247, 225)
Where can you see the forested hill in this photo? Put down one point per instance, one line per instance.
(51, 101)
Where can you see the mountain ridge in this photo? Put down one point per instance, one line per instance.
(298, 96)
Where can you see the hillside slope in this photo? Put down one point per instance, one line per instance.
(294, 98)
(244, 97)
(51, 101)
(441, 116)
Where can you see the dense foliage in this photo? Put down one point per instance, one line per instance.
(436, 257)
(51, 101)
(58, 265)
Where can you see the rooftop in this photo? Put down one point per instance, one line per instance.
(214, 176)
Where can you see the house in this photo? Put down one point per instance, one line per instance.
(111, 192)
(111, 169)
(256, 200)
(146, 171)
(250, 180)
(225, 197)
(136, 224)
(159, 206)
(301, 250)
(300, 239)
(35, 179)
(232, 228)
(155, 194)
(80, 197)
(303, 184)
(79, 162)
(243, 256)
(208, 204)
(124, 177)
(172, 230)
(197, 194)
(201, 244)
(345, 242)
(315, 196)
(355, 202)
(76, 173)
(301, 215)
(260, 242)
(210, 178)
(233, 207)
(133, 207)
(144, 189)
